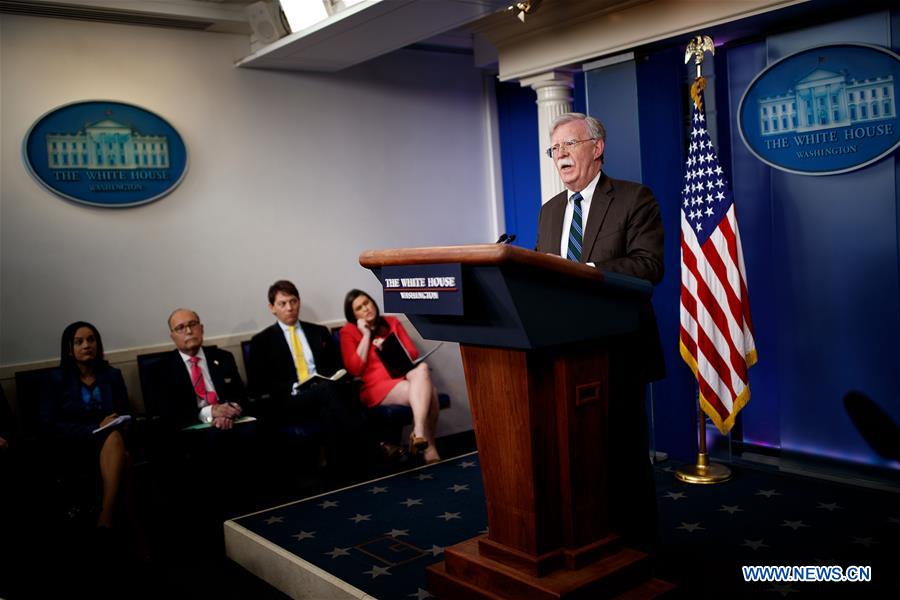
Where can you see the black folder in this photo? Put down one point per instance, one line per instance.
(395, 357)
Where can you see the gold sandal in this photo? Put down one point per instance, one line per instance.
(417, 445)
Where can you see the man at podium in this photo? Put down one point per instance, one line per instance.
(613, 225)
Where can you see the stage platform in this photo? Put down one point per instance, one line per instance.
(371, 540)
(374, 540)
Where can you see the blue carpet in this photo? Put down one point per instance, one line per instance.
(765, 517)
(380, 536)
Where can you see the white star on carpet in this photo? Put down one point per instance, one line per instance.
(755, 544)
(782, 588)
(731, 509)
(829, 507)
(866, 541)
(395, 533)
(467, 464)
(338, 552)
(359, 518)
(420, 594)
(435, 550)
(689, 527)
(273, 520)
(795, 525)
(676, 495)
(767, 493)
(376, 571)
(328, 504)
(424, 476)
(412, 502)
(447, 516)
(457, 487)
(304, 535)
(377, 490)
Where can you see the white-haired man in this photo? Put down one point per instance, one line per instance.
(613, 225)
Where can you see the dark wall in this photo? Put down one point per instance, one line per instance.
(821, 252)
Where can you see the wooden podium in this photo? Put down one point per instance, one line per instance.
(533, 336)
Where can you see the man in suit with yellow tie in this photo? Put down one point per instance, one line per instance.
(285, 355)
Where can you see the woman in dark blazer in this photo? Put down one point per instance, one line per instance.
(83, 394)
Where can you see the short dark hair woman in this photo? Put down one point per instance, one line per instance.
(366, 328)
(83, 394)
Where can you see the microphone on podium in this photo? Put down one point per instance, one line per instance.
(506, 238)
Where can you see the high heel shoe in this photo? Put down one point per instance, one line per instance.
(391, 452)
(417, 445)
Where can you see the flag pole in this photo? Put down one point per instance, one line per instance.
(703, 472)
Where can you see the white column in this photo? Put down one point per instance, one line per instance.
(554, 97)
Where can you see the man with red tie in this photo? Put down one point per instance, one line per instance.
(195, 384)
(199, 394)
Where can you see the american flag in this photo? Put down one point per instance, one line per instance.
(716, 330)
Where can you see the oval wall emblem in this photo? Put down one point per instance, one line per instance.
(823, 111)
(105, 153)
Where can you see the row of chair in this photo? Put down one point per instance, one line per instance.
(386, 421)
(147, 440)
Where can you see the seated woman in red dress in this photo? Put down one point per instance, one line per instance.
(363, 333)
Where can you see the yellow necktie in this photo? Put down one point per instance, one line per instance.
(299, 359)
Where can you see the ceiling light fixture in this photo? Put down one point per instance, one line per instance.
(524, 8)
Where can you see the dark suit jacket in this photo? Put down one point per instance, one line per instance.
(624, 234)
(174, 393)
(64, 414)
(271, 371)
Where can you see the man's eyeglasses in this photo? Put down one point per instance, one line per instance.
(182, 327)
(569, 145)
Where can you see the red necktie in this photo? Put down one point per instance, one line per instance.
(200, 385)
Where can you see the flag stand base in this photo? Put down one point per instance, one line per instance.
(703, 472)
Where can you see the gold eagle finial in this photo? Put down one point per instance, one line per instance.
(697, 48)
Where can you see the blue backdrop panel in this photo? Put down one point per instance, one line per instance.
(579, 94)
(641, 105)
(751, 182)
(822, 261)
(612, 97)
(661, 108)
(519, 156)
(835, 242)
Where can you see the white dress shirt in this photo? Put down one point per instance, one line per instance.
(205, 414)
(307, 351)
(587, 195)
